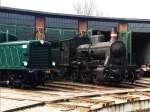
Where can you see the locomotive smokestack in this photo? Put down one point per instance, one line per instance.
(113, 35)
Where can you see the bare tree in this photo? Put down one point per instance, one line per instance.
(86, 7)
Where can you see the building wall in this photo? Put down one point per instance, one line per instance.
(102, 25)
(83, 25)
(28, 25)
(139, 27)
(123, 27)
(57, 28)
(20, 24)
(39, 28)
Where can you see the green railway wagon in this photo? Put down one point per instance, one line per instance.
(23, 62)
(24, 55)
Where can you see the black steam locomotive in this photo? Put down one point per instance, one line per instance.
(96, 61)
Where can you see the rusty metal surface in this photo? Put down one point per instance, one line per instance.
(128, 107)
(65, 96)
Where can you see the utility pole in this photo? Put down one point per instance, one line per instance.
(0, 2)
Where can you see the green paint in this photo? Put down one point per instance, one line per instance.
(59, 34)
(126, 37)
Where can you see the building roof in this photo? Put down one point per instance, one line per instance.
(40, 13)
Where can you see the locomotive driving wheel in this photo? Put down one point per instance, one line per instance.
(95, 79)
(84, 77)
(74, 76)
(131, 76)
(118, 78)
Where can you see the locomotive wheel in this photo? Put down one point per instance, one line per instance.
(11, 81)
(16, 82)
(62, 73)
(95, 79)
(74, 76)
(84, 77)
(118, 79)
(21, 81)
(131, 76)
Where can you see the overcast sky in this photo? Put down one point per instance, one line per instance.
(110, 8)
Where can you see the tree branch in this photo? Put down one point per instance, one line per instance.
(86, 7)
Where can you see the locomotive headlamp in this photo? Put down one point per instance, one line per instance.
(42, 41)
(24, 46)
(25, 63)
(53, 63)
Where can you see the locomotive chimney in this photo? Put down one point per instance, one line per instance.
(113, 35)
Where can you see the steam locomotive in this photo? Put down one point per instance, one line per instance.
(96, 61)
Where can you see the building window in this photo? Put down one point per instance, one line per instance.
(17, 19)
(61, 22)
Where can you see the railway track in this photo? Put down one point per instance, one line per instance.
(66, 96)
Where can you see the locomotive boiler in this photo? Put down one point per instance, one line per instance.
(102, 62)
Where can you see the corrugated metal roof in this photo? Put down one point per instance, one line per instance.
(40, 13)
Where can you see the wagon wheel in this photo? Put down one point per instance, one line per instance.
(84, 77)
(22, 81)
(74, 76)
(11, 81)
(95, 79)
(16, 81)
